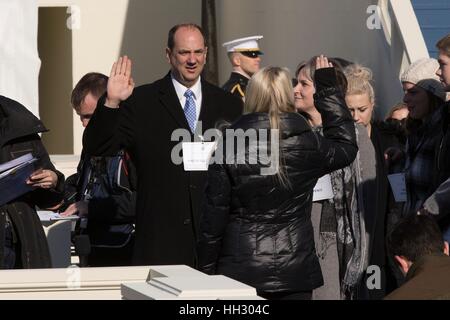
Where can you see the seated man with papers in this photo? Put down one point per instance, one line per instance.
(28, 179)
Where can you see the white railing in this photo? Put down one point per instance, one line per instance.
(402, 32)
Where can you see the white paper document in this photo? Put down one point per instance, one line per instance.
(196, 155)
(10, 166)
(323, 189)
(53, 216)
(398, 186)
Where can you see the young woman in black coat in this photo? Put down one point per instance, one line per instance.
(22, 239)
(256, 225)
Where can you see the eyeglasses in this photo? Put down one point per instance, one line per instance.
(251, 54)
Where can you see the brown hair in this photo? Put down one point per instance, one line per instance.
(415, 236)
(94, 83)
(444, 45)
(309, 69)
(398, 106)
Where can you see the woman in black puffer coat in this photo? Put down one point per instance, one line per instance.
(256, 225)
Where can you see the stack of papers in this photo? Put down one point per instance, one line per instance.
(13, 177)
(46, 216)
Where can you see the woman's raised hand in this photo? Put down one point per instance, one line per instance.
(322, 62)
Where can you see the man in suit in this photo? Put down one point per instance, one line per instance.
(168, 201)
(244, 55)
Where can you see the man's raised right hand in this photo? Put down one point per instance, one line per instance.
(120, 83)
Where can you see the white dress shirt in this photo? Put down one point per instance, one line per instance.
(196, 89)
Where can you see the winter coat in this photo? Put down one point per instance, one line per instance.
(19, 130)
(253, 229)
(438, 202)
(427, 279)
(168, 197)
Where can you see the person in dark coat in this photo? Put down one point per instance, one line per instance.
(338, 219)
(256, 225)
(439, 202)
(146, 124)
(378, 198)
(395, 121)
(422, 255)
(23, 243)
(244, 55)
(104, 191)
(425, 97)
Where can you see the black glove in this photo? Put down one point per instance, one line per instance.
(325, 78)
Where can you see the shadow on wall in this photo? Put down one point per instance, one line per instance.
(145, 34)
(297, 30)
(55, 79)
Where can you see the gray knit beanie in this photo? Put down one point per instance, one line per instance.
(422, 73)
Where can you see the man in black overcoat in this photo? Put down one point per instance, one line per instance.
(142, 120)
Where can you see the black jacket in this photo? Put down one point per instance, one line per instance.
(259, 233)
(443, 154)
(380, 202)
(442, 170)
(19, 130)
(236, 85)
(168, 198)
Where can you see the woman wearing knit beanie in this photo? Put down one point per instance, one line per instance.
(421, 75)
(424, 96)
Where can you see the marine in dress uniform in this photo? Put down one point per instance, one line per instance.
(244, 55)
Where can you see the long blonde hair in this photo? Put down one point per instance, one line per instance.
(270, 91)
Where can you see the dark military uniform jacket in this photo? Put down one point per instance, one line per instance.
(237, 84)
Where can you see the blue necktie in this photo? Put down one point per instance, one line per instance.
(189, 109)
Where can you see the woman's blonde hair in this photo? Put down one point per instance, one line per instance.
(270, 91)
(359, 80)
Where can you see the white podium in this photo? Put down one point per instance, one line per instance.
(69, 283)
(175, 282)
(184, 283)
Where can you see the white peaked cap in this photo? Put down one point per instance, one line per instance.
(243, 44)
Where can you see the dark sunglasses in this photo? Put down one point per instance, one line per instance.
(251, 54)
